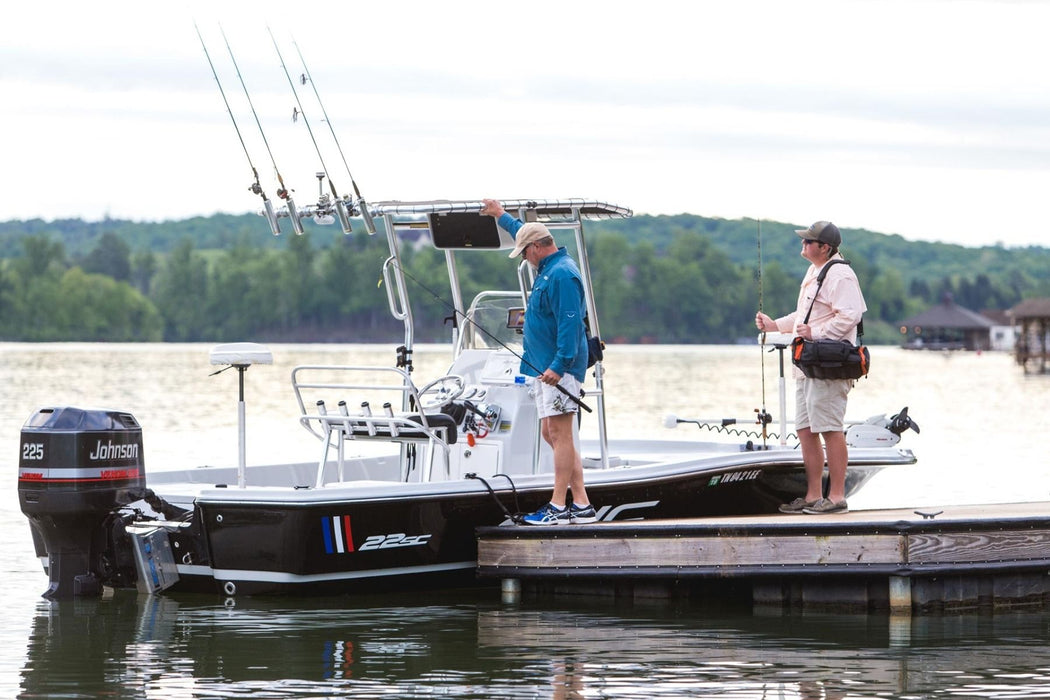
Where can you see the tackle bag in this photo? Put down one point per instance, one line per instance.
(830, 359)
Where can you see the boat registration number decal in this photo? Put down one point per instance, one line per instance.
(733, 477)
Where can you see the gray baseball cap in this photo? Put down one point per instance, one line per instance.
(823, 231)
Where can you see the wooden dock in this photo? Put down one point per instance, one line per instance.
(904, 561)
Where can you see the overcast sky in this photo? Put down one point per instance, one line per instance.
(925, 118)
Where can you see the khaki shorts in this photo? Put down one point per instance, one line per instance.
(550, 401)
(820, 404)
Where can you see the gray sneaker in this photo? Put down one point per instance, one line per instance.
(582, 514)
(826, 505)
(798, 505)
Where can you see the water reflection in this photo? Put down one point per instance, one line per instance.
(133, 647)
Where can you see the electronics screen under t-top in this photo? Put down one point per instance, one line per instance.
(464, 230)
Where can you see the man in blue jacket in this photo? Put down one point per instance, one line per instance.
(555, 339)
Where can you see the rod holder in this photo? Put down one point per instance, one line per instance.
(344, 220)
(370, 225)
(293, 214)
(347, 429)
(366, 410)
(271, 217)
(388, 410)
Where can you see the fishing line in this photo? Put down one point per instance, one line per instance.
(255, 188)
(293, 214)
(362, 205)
(340, 206)
(578, 401)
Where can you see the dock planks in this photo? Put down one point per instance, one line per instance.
(919, 558)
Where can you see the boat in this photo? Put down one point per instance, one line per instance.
(406, 468)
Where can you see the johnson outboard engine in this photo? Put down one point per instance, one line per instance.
(75, 466)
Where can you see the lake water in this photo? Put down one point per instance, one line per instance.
(983, 427)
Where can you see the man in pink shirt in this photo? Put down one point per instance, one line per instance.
(820, 404)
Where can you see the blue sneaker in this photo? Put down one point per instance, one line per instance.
(548, 515)
(582, 514)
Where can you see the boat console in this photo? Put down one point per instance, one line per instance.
(465, 421)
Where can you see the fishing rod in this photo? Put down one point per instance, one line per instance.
(575, 399)
(255, 188)
(361, 204)
(779, 344)
(762, 337)
(293, 214)
(340, 206)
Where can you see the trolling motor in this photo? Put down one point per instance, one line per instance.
(880, 431)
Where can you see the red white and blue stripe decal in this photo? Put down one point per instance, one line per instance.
(338, 538)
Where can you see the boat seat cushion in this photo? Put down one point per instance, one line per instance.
(438, 422)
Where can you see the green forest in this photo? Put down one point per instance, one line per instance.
(663, 279)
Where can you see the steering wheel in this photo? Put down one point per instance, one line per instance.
(440, 391)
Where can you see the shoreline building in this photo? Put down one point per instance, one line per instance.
(947, 326)
(1033, 340)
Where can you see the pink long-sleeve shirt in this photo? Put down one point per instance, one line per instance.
(837, 309)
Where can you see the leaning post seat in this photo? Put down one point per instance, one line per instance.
(439, 421)
(317, 386)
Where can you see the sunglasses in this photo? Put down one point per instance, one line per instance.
(807, 241)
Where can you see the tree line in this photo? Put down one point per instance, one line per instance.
(667, 279)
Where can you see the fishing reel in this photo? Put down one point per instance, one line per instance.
(329, 203)
(323, 208)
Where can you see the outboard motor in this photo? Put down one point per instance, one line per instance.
(75, 466)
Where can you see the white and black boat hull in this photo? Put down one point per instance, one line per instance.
(315, 546)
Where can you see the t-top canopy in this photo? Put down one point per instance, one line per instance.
(543, 208)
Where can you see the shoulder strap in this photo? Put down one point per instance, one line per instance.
(824, 270)
(820, 283)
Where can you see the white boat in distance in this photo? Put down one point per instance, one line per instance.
(464, 451)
